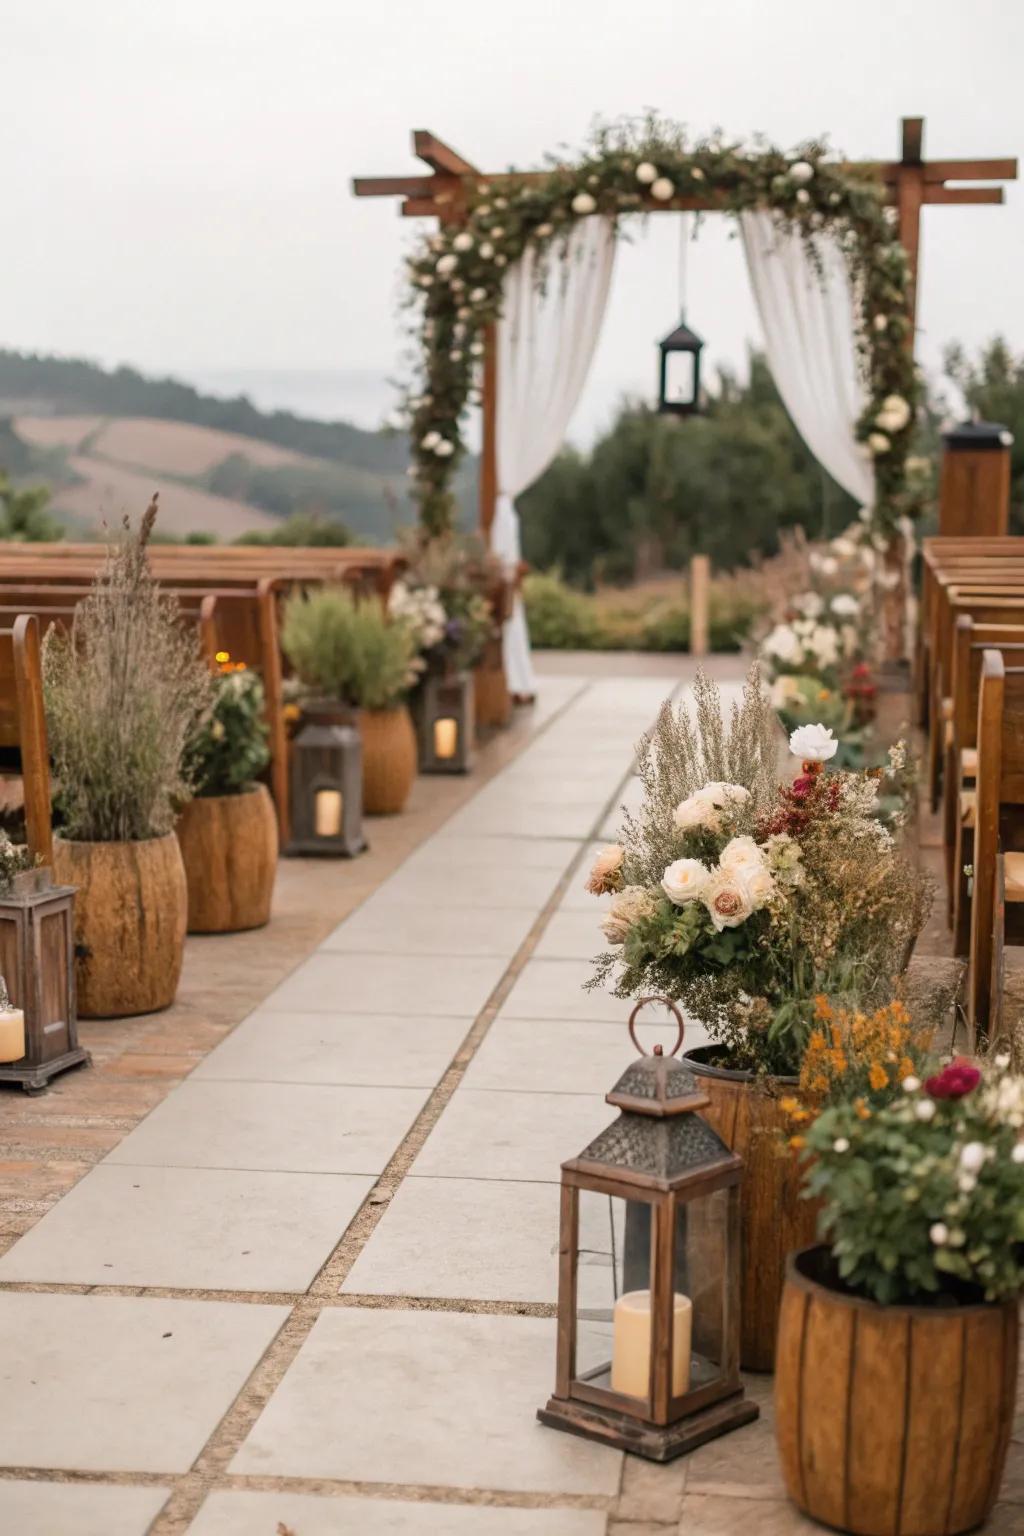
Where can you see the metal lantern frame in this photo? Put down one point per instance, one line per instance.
(445, 696)
(327, 756)
(37, 959)
(662, 1155)
(681, 340)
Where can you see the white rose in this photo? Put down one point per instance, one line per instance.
(911, 1084)
(697, 810)
(463, 241)
(813, 743)
(924, 1109)
(845, 605)
(727, 899)
(606, 870)
(628, 906)
(972, 1157)
(801, 171)
(684, 881)
(720, 793)
(1018, 1152)
(897, 413)
(583, 203)
(840, 1144)
(430, 441)
(487, 250)
(444, 449)
(456, 354)
(785, 692)
(824, 644)
(878, 443)
(939, 1233)
(803, 196)
(845, 548)
(497, 232)
(478, 295)
(759, 884)
(543, 230)
(697, 174)
(783, 643)
(741, 854)
(810, 604)
(646, 173)
(446, 265)
(662, 189)
(880, 323)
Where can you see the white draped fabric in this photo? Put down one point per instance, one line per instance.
(809, 327)
(549, 326)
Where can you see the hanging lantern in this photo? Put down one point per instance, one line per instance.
(327, 783)
(648, 1293)
(444, 722)
(39, 1020)
(679, 380)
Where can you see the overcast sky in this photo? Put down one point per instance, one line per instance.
(176, 175)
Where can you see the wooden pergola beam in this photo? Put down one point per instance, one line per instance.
(963, 194)
(439, 155)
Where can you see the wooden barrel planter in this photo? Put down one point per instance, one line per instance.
(891, 1419)
(229, 849)
(130, 917)
(774, 1220)
(389, 759)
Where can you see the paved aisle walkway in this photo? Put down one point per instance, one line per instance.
(312, 1292)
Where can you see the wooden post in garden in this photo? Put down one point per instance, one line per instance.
(974, 486)
(700, 604)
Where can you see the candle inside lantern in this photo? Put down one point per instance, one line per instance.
(446, 737)
(12, 1028)
(327, 812)
(631, 1344)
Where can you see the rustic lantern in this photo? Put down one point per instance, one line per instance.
(37, 960)
(679, 380)
(327, 783)
(444, 722)
(648, 1292)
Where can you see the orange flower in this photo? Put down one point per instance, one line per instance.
(878, 1077)
(789, 1105)
(822, 1007)
(796, 1142)
(861, 1110)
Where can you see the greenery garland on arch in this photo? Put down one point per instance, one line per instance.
(629, 168)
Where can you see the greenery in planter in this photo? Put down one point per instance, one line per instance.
(924, 1196)
(347, 649)
(228, 749)
(124, 689)
(628, 168)
(442, 596)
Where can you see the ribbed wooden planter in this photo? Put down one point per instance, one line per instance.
(891, 1419)
(389, 759)
(229, 849)
(774, 1220)
(130, 917)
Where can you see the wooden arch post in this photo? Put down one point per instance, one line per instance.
(909, 184)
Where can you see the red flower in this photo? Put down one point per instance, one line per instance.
(955, 1081)
(801, 788)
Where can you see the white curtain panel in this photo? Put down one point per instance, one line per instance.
(809, 329)
(551, 319)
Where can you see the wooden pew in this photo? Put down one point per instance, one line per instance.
(23, 727)
(946, 554)
(997, 899)
(973, 639)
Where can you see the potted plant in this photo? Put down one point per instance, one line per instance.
(898, 1338)
(745, 900)
(351, 652)
(123, 688)
(228, 830)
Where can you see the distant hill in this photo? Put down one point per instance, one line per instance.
(100, 437)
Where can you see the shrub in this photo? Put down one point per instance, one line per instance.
(124, 689)
(347, 648)
(228, 748)
(559, 618)
(651, 616)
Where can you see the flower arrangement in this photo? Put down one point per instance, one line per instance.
(923, 1197)
(745, 899)
(442, 597)
(15, 858)
(228, 749)
(458, 273)
(349, 649)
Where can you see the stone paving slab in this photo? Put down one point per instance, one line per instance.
(530, 819)
(554, 989)
(76, 1509)
(574, 1055)
(307, 1514)
(443, 985)
(121, 1384)
(528, 1136)
(413, 927)
(573, 934)
(190, 1229)
(288, 1127)
(434, 1399)
(389, 1050)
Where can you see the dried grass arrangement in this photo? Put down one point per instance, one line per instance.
(124, 688)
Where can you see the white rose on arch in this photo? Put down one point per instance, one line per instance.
(878, 443)
(444, 449)
(895, 414)
(583, 203)
(430, 441)
(646, 173)
(685, 881)
(801, 171)
(663, 189)
(813, 743)
(446, 265)
(463, 241)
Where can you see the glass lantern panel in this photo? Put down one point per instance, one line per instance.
(679, 378)
(446, 737)
(701, 1285)
(328, 806)
(613, 1279)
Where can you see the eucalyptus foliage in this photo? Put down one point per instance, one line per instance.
(629, 168)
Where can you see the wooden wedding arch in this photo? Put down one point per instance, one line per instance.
(909, 184)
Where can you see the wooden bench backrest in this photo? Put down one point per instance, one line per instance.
(23, 725)
(971, 639)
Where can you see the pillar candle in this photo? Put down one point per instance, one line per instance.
(327, 812)
(631, 1344)
(12, 1034)
(445, 737)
